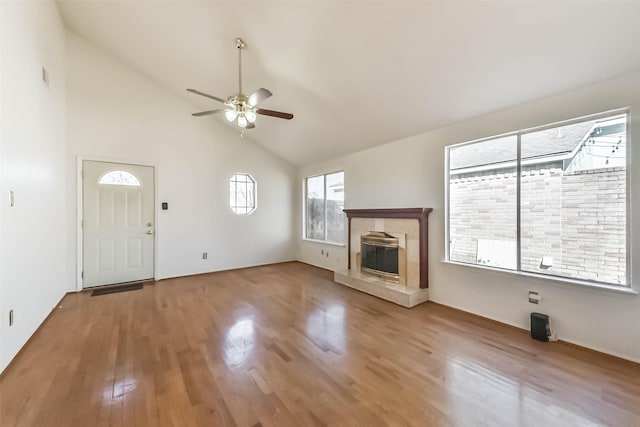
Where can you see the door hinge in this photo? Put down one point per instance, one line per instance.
(82, 223)
(82, 274)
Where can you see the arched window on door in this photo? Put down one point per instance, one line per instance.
(119, 178)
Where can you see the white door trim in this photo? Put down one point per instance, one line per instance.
(80, 213)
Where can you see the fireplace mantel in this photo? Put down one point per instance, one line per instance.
(421, 214)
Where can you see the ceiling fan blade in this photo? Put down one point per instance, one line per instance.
(206, 113)
(197, 92)
(250, 126)
(258, 96)
(278, 114)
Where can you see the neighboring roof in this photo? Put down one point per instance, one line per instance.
(544, 143)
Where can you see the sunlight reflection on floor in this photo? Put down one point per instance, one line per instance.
(327, 326)
(474, 387)
(239, 342)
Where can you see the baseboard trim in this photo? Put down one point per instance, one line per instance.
(598, 351)
(222, 271)
(19, 353)
(571, 343)
(315, 265)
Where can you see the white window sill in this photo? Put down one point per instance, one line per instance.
(614, 288)
(325, 242)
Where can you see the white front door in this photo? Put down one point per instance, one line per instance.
(118, 226)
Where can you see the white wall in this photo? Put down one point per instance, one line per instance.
(602, 320)
(32, 144)
(117, 114)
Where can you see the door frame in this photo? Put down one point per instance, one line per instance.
(80, 212)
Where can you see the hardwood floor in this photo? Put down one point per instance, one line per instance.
(283, 345)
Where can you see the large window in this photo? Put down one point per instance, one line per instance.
(324, 218)
(549, 201)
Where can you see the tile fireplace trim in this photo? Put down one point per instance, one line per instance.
(421, 214)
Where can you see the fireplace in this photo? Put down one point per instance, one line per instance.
(380, 255)
(391, 262)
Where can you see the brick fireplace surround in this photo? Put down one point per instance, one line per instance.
(409, 223)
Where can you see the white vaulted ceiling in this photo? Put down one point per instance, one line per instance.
(359, 74)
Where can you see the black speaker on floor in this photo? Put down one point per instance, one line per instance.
(540, 327)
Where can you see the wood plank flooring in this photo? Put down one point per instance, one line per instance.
(282, 345)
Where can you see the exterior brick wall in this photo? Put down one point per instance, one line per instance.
(481, 206)
(577, 219)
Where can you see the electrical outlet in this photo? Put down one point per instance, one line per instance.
(534, 297)
(10, 317)
(205, 255)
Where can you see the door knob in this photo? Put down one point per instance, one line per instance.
(150, 232)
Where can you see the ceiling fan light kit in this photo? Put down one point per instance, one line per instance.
(241, 108)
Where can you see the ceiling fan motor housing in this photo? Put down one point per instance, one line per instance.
(239, 102)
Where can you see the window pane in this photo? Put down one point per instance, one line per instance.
(242, 194)
(573, 201)
(482, 203)
(315, 207)
(251, 200)
(119, 178)
(232, 194)
(335, 205)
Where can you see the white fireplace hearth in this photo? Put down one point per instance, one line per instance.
(396, 267)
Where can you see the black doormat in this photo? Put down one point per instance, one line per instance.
(114, 289)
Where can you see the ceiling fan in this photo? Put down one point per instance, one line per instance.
(241, 107)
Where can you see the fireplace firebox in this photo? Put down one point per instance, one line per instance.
(379, 251)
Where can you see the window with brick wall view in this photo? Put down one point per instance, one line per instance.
(324, 218)
(572, 205)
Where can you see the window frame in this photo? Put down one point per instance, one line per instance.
(255, 194)
(305, 205)
(628, 286)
